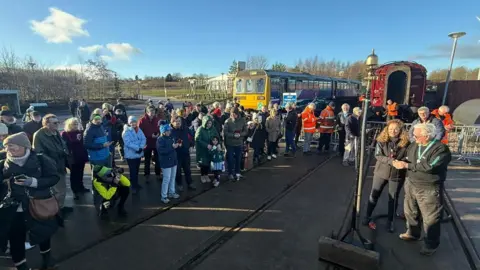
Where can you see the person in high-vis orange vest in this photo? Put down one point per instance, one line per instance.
(309, 122)
(327, 125)
(442, 113)
(392, 110)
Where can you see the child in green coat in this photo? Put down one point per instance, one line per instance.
(218, 160)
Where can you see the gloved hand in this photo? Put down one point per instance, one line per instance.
(140, 150)
(27, 182)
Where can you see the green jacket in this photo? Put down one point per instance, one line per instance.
(231, 128)
(52, 145)
(203, 137)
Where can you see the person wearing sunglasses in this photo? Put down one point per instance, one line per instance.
(48, 141)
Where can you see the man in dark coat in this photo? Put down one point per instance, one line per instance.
(33, 125)
(290, 127)
(72, 106)
(10, 121)
(426, 163)
(83, 112)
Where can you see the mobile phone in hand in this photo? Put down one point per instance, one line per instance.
(20, 178)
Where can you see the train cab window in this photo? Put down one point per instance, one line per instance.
(240, 87)
(260, 86)
(250, 86)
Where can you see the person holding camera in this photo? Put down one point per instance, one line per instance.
(27, 202)
(150, 124)
(180, 134)
(166, 148)
(109, 185)
(134, 143)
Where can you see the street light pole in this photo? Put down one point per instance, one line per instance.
(455, 36)
(32, 66)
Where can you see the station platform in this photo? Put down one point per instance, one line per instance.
(271, 219)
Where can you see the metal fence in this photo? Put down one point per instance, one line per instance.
(463, 141)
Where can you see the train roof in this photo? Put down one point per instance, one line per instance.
(302, 75)
(411, 64)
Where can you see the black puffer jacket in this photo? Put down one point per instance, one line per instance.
(43, 169)
(385, 153)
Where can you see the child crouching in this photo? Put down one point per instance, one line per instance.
(167, 156)
(218, 160)
(108, 187)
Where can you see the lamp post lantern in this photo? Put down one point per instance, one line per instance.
(455, 36)
(372, 64)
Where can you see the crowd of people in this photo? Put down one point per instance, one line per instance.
(35, 159)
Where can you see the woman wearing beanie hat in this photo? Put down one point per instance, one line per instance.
(26, 172)
(166, 148)
(134, 141)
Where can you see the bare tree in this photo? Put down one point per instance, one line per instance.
(257, 62)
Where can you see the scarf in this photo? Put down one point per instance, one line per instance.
(20, 161)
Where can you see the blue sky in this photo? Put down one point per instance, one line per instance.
(204, 36)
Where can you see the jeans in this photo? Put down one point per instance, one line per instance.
(234, 157)
(183, 163)
(394, 187)
(168, 184)
(324, 140)
(289, 141)
(306, 141)
(61, 189)
(425, 201)
(148, 160)
(134, 168)
(76, 177)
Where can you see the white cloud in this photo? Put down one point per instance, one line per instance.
(59, 27)
(91, 49)
(120, 51)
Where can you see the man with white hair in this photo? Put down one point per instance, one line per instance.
(443, 115)
(341, 121)
(424, 116)
(290, 126)
(352, 133)
(426, 163)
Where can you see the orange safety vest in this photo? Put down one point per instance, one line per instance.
(392, 109)
(309, 120)
(447, 123)
(327, 120)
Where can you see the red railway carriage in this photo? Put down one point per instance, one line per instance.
(403, 82)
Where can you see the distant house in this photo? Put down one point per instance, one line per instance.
(221, 83)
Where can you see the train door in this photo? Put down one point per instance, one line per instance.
(397, 87)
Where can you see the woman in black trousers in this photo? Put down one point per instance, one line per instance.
(391, 145)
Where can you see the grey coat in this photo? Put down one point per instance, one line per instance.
(273, 126)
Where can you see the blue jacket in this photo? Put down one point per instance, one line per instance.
(93, 139)
(182, 134)
(167, 156)
(439, 128)
(132, 142)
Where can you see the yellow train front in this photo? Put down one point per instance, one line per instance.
(256, 88)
